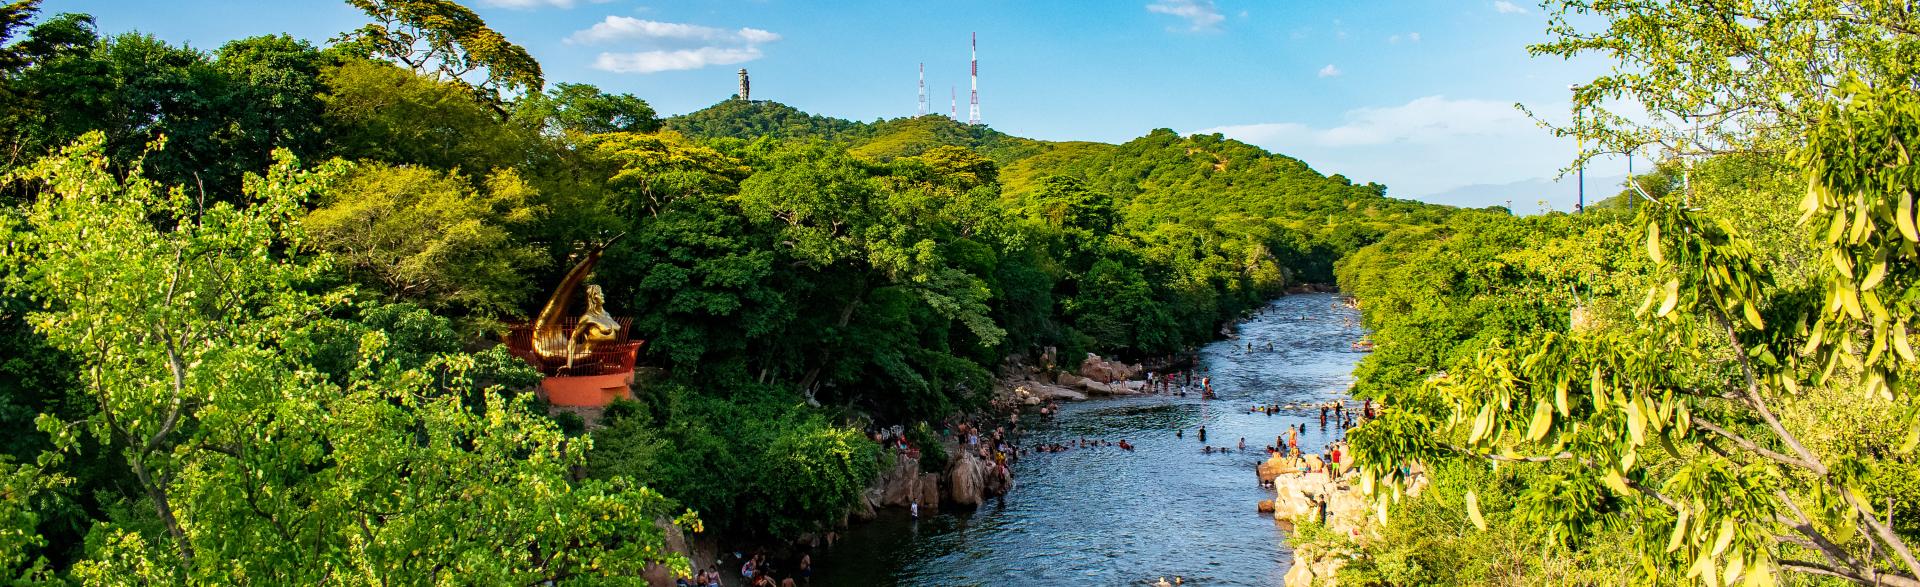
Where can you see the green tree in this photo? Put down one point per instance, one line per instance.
(1701, 76)
(1733, 378)
(377, 111)
(585, 110)
(431, 237)
(447, 41)
(257, 468)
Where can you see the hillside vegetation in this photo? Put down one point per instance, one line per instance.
(253, 296)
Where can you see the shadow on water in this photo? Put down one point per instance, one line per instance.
(1103, 516)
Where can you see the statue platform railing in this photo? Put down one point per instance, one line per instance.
(549, 355)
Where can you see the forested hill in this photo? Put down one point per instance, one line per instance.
(1204, 181)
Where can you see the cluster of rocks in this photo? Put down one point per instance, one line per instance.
(1331, 499)
(1097, 376)
(968, 480)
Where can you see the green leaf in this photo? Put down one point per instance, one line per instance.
(1618, 484)
(1653, 243)
(1560, 396)
(1725, 538)
(1481, 423)
(1900, 344)
(1473, 511)
(1636, 422)
(1672, 289)
(1542, 419)
(1679, 530)
(1903, 217)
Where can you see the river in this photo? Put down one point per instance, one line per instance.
(1103, 516)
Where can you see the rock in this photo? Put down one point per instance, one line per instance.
(676, 543)
(1274, 467)
(1265, 507)
(929, 492)
(900, 485)
(1096, 368)
(1136, 386)
(1044, 392)
(1095, 387)
(1301, 575)
(1070, 380)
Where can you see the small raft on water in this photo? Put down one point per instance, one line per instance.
(1363, 346)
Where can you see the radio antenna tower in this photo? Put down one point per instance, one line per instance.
(923, 89)
(973, 103)
(953, 103)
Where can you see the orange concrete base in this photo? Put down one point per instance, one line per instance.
(588, 391)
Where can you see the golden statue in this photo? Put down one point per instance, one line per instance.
(552, 341)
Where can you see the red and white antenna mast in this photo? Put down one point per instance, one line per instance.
(923, 89)
(973, 104)
(953, 103)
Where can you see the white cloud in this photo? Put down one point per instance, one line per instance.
(1410, 38)
(670, 46)
(1330, 71)
(675, 60)
(1429, 120)
(1505, 7)
(1201, 15)
(530, 4)
(756, 36)
(627, 28)
(1423, 146)
(1413, 37)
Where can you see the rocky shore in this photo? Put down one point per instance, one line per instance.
(1307, 491)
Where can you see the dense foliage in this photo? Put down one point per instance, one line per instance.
(1706, 380)
(221, 364)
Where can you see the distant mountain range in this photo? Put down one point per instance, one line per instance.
(1525, 196)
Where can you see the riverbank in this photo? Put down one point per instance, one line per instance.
(1107, 515)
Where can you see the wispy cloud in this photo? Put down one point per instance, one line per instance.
(676, 60)
(1505, 7)
(670, 46)
(627, 28)
(1433, 119)
(532, 4)
(1330, 71)
(1409, 37)
(1201, 15)
(1422, 146)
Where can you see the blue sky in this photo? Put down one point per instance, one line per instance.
(1417, 95)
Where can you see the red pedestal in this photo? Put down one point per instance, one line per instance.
(588, 390)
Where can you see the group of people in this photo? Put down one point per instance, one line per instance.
(1082, 443)
(757, 571)
(1179, 383)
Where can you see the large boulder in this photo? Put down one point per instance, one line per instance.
(1274, 467)
(1104, 371)
(900, 485)
(676, 542)
(929, 486)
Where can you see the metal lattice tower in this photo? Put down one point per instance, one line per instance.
(923, 89)
(973, 101)
(953, 103)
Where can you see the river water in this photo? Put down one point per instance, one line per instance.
(1103, 516)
